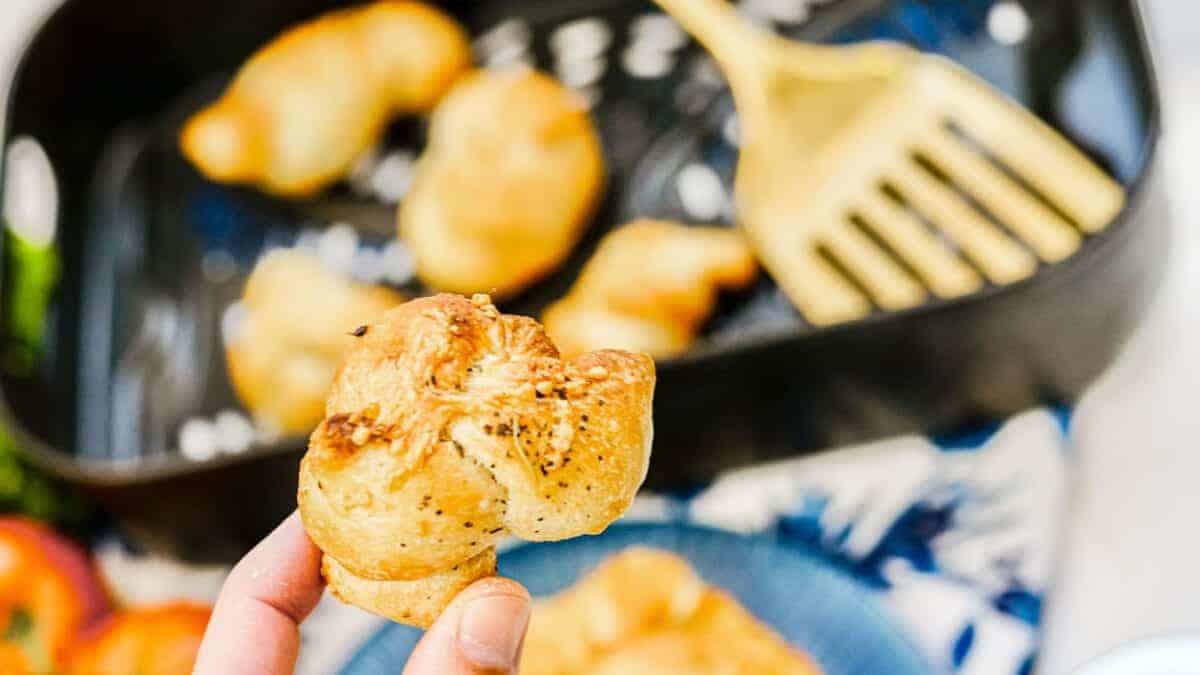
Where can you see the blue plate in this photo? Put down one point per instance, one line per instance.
(810, 602)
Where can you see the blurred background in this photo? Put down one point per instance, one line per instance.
(1123, 560)
(1135, 428)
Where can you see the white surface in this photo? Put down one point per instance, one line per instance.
(1133, 563)
(1164, 656)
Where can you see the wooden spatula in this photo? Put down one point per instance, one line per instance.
(873, 175)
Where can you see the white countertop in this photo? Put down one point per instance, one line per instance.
(1133, 557)
(1132, 561)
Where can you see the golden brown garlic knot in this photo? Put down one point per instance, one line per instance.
(451, 425)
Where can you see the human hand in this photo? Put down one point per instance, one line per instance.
(255, 625)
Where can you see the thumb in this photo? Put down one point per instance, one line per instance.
(480, 632)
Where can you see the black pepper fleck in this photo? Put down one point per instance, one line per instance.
(468, 524)
(359, 332)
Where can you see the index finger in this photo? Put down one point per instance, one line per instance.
(255, 627)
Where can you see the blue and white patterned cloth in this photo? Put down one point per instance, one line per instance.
(957, 535)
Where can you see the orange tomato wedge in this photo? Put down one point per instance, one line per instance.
(146, 641)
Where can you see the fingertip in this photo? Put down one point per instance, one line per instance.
(494, 586)
(492, 625)
(482, 631)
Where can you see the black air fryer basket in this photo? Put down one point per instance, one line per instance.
(114, 291)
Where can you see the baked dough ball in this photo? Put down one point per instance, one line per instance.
(296, 326)
(615, 603)
(646, 611)
(649, 288)
(505, 187)
(306, 106)
(450, 426)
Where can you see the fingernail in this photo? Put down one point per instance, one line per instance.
(491, 628)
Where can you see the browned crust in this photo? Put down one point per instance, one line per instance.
(417, 602)
(649, 288)
(451, 426)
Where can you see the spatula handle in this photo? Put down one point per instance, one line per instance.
(733, 42)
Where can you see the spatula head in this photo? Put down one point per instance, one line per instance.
(932, 184)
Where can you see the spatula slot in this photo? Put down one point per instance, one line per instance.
(823, 252)
(937, 263)
(897, 198)
(932, 168)
(978, 148)
(885, 281)
(858, 222)
(1001, 259)
(992, 192)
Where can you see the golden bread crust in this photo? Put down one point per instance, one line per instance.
(450, 426)
(506, 185)
(649, 287)
(308, 104)
(417, 601)
(281, 360)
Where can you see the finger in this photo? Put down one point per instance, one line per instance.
(255, 625)
(480, 632)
